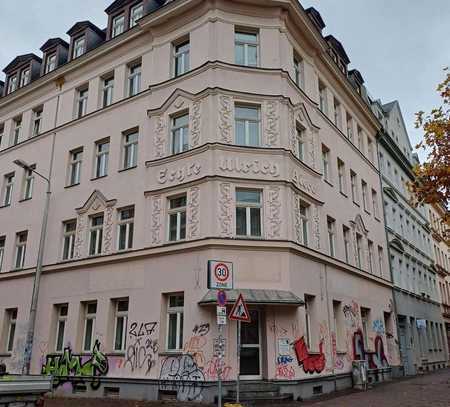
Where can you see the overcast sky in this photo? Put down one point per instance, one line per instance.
(399, 46)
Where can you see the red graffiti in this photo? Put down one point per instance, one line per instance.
(378, 360)
(212, 369)
(285, 372)
(312, 362)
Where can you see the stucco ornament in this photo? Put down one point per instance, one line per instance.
(316, 220)
(193, 213)
(225, 210)
(297, 219)
(358, 227)
(179, 174)
(160, 136)
(272, 123)
(225, 119)
(79, 237)
(263, 167)
(274, 215)
(107, 243)
(156, 220)
(195, 124)
(292, 132)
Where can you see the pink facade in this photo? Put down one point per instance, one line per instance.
(347, 294)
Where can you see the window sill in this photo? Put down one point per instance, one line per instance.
(171, 353)
(26, 199)
(356, 203)
(365, 210)
(15, 270)
(242, 237)
(115, 353)
(128, 168)
(96, 178)
(5, 355)
(72, 185)
(329, 182)
(343, 194)
(5, 206)
(341, 352)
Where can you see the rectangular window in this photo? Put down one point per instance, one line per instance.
(370, 149)
(21, 247)
(12, 84)
(134, 79)
(137, 12)
(2, 133)
(360, 136)
(11, 321)
(125, 228)
(8, 186)
(300, 144)
(309, 306)
(380, 260)
(107, 90)
(181, 58)
(349, 127)
(101, 158)
(118, 26)
(17, 130)
(76, 158)
(326, 163)
(339, 325)
(341, 175)
(322, 97)
(79, 46)
(62, 311)
(246, 48)
(25, 77)
(120, 324)
(354, 186)
(359, 250)
(37, 121)
(298, 71)
(90, 310)
(130, 149)
(28, 183)
(175, 321)
(346, 235)
(82, 100)
(337, 113)
(331, 227)
(180, 133)
(177, 218)
(50, 64)
(248, 213)
(365, 319)
(247, 123)
(375, 203)
(371, 254)
(69, 231)
(304, 222)
(364, 195)
(96, 235)
(2, 250)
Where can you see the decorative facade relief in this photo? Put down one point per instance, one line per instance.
(303, 184)
(249, 166)
(193, 213)
(108, 231)
(195, 124)
(156, 220)
(225, 210)
(272, 123)
(297, 219)
(312, 151)
(179, 174)
(79, 238)
(316, 231)
(225, 119)
(292, 132)
(160, 136)
(274, 215)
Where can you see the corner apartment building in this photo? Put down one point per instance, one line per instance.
(184, 132)
(416, 292)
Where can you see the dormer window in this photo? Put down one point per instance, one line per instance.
(25, 77)
(12, 84)
(50, 64)
(79, 47)
(118, 25)
(136, 13)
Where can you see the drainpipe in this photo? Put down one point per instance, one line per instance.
(394, 301)
(333, 357)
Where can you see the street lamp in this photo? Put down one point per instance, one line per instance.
(37, 274)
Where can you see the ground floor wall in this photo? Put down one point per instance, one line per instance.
(423, 345)
(347, 317)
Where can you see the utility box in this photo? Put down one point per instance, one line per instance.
(359, 373)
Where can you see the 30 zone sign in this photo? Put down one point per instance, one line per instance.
(220, 275)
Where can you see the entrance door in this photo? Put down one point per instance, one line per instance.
(250, 366)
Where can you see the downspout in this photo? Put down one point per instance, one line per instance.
(333, 354)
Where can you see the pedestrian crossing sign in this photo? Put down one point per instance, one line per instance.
(239, 312)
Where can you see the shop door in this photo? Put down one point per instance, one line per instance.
(250, 362)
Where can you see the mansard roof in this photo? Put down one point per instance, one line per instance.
(53, 42)
(82, 25)
(357, 75)
(316, 18)
(387, 107)
(20, 60)
(337, 46)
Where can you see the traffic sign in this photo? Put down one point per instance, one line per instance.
(239, 312)
(221, 320)
(221, 311)
(220, 275)
(221, 298)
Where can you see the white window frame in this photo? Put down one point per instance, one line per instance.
(2, 250)
(341, 176)
(28, 183)
(128, 224)
(381, 260)
(79, 47)
(298, 71)
(134, 78)
(376, 212)
(12, 84)
(322, 97)
(364, 191)
(349, 120)
(246, 121)
(371, 256)
(130, 149)
(308, 327)
(37, 122)
(20, 250)
(331, 230)
(181, 132)
(118, 25)
(247, 45)
(359, 250)
(17, 130)
(178, 211)
(136, 13)
(107, 90)
(82, 101)
(25, 77)
(179, 311)
(69, 239)
(300, 144)
(12, 328)
(354, 186)
(304, 208)
(346, 236)
(248, 207)
(96, 232)
(50, 63)
(2, 133)
(89, 317)
(8, 188)
(61, 318)
(183, 55)
(101, 158)
(120, 314)
(337, 113)
(75, 167)
(326, 163)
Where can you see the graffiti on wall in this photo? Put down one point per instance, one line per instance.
(284, 368)
(377, 358)
(351, 314)
(142, 349)
(378, 326)
(311, 362)
(72, 368)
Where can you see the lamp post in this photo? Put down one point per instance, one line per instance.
(37, 274)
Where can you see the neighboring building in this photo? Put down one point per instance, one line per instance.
(411, 259)
(441, 252)
(220, 130)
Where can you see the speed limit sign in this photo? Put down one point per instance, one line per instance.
(220, 275)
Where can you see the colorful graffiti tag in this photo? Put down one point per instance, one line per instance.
(69, 367)
(142, 350)
(311, 362)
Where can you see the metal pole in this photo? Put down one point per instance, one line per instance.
(238, 359)
(219, 369)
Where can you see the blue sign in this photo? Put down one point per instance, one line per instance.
(221, 298)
